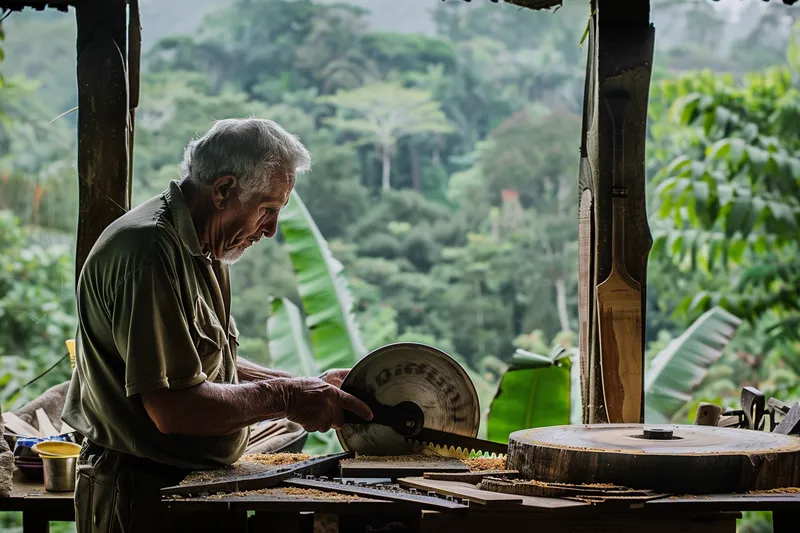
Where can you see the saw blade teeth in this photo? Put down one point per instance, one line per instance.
(457, 451)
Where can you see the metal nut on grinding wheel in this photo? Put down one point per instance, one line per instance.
(417, 373)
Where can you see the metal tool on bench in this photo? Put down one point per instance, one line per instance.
(418, 395)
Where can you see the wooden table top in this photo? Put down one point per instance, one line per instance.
(26, 494)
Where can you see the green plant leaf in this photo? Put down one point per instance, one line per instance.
(680, 368)
(335, 339)
(288, 343)
(530, 396)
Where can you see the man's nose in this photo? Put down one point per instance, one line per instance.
(270, 228)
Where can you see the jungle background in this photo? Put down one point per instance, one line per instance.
(456, 224)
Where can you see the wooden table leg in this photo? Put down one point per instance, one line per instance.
(34, 523)
(281, 523)
(785, 522)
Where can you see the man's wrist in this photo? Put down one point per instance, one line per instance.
(277, 395)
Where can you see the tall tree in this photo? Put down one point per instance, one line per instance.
(382, 113)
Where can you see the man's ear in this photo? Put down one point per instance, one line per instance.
(224, 190)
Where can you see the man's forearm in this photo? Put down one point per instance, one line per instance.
(249, 371)
(210, 409)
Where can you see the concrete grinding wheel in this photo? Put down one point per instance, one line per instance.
(410, 372)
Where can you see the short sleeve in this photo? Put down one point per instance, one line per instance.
(151, 330)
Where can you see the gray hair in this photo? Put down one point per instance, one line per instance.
(251, 149)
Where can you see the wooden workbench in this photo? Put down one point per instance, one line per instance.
(38, 507)
(261, 513)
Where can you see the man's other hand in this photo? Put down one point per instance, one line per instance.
(319, 406)
(335, 376)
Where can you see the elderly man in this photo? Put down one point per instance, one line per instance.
(158, 388)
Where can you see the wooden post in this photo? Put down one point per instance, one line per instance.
(620, 59)
(134, 62)
(103, 120)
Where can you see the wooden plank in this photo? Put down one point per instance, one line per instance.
(584, 287)
(468, 477)
(396, 468)
(790, 425)
(462, 490)
(20, 427)
(729, 502)
(46, 428)
(619, 297)
(103, 116)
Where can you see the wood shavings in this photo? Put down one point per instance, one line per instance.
(248, 465)
(478, 464)
(782, 490)
(289, 493)
(275, 459)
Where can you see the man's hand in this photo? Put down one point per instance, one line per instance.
(335, 376)
(318, 406)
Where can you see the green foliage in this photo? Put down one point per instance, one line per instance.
(335, 340)
(729, 204)
(36, 311)
(533, 392)
(678, 370)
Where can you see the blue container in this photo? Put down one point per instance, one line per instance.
(24, 444)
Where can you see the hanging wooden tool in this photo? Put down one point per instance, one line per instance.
(619, 297)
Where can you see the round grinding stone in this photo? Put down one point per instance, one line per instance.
(661, 457)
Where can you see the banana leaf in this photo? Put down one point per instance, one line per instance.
(533, 392)
(288, 345)
(335, 340)
(682, 366)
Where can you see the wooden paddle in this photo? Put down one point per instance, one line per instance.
(619, 298)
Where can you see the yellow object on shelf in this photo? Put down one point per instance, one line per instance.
(71, 348)
(56, 448)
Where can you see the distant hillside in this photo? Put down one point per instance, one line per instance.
(40, 45)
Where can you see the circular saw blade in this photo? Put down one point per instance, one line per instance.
(415, 373)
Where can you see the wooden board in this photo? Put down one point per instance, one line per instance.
(15, 424)
(619, 297)
(699, 459)
(462, 490)
(468, 477)
(584, 287)
(560, 490)
(401, 466)
(46, 427)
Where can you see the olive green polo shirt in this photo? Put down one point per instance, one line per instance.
(154, 313)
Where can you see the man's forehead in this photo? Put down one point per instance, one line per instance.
(280, 190)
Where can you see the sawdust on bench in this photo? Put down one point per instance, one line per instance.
(289, 493)
(478, 464)
(275, 459)
(782, 490)
(247, 465)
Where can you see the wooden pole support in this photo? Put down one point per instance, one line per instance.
(103, 120)
(620, 60)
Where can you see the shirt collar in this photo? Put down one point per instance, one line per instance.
(183, 219)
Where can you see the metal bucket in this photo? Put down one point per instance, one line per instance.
(59, 473)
